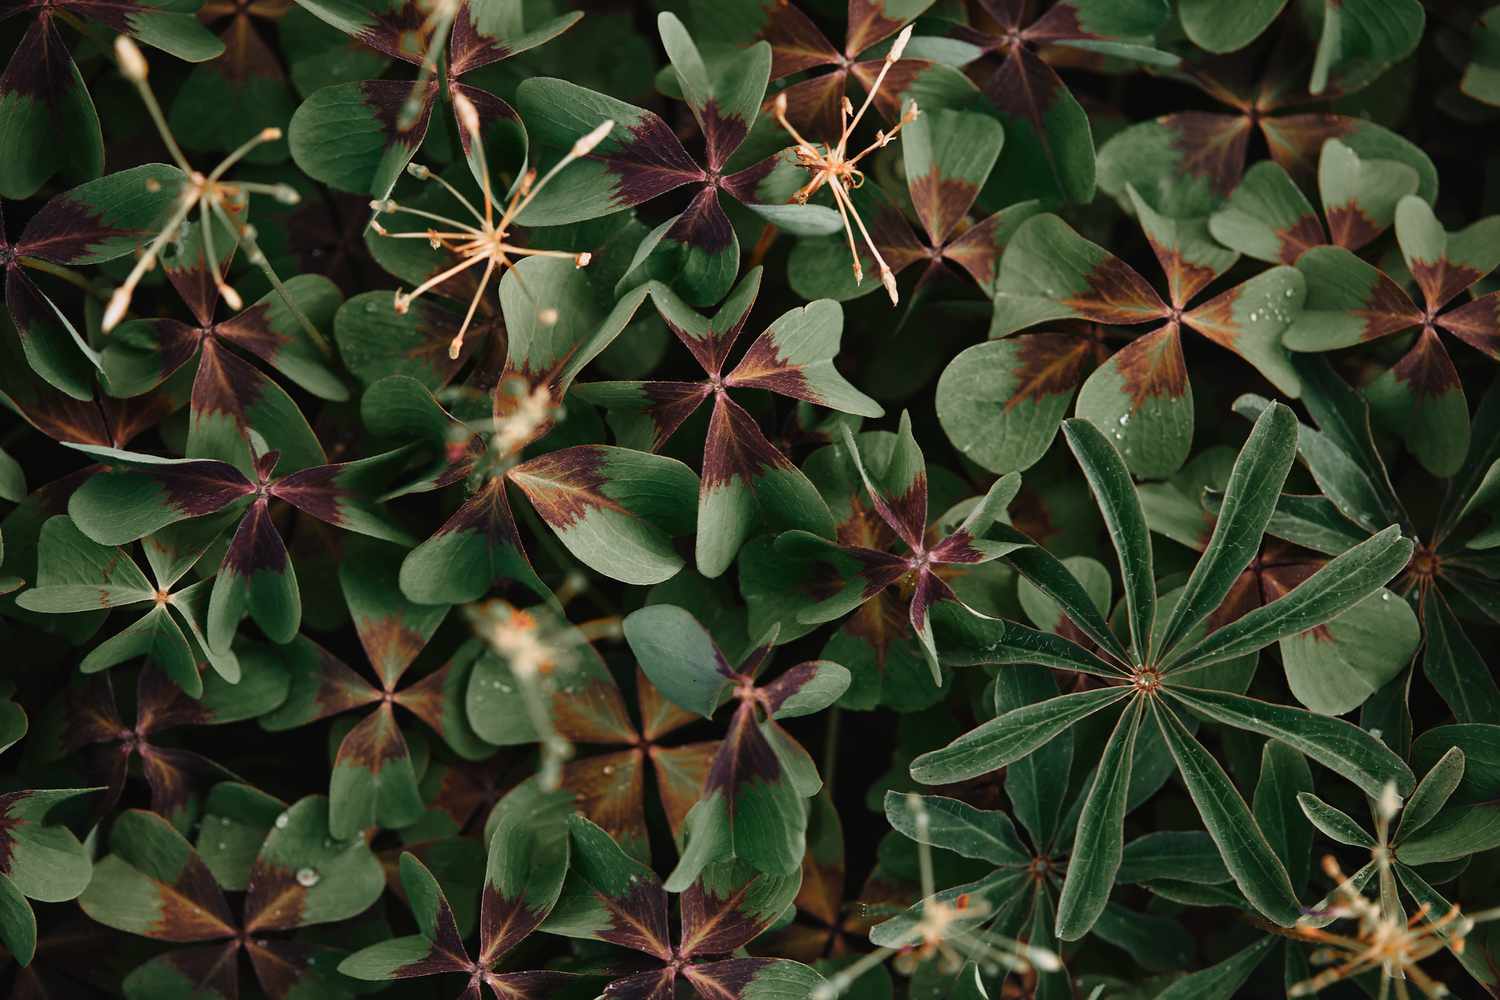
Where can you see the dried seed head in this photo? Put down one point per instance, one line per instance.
(128, 55)
(900, 44)
(115, 311)
(1390, 802)
(468, 115)
(585, 146)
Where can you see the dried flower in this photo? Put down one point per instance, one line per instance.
(486, 242)
(213, 197)
(1382, 939)
(948, 931)
(834, 167)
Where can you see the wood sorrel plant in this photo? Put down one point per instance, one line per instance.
(468, 520)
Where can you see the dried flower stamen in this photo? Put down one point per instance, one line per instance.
(834, 167)
(487, 241)
(214, 198)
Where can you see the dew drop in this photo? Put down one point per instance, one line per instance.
(308, 877)
(282, 821)
(1124, 419)
(608, 769)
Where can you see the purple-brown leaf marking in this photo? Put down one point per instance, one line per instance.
(722, 134)
(1442, 279)
(812, 105)
(226, 385)
(743, 756)
(736, 448)
(714, 925)
(1387, 309)
(1050, 364)
(796, 42)
(1426, 369)
(1306, 232)
(1210, 146)
(316, 491)
(610, 790)
(670, 404)
(1117, 295)
(1349, 226)
(792, 680)
(649, 163)
(1152, 366)
(565, 486)
(1296, 141)
(1476, 323)
(868, 24)
(638, 919)
(941, 202)
(256, 546)
(703, 225)
(374, 742)
(212, 969)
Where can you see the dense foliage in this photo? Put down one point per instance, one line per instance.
(749, 499)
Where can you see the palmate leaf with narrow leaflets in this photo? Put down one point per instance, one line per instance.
(1151, 674)
(77, 574)
(1334, 667)
(1026, 742)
